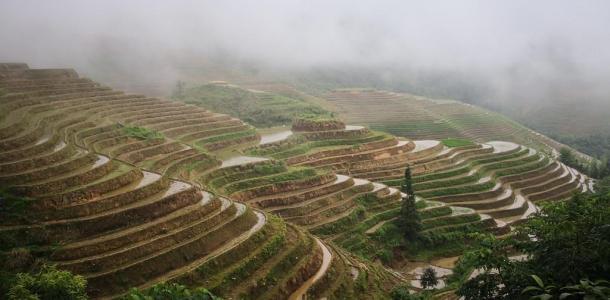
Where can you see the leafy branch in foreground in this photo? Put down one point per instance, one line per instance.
(565, 243)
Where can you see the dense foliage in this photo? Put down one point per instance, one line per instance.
(428, 278)
(401, 292)
(595, 168)
(48, 284)
(596, 145)
(410, 221)
(12, 206)
(170, 291)
(564, 244)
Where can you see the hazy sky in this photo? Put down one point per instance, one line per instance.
(527, 44)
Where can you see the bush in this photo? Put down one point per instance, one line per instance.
(401, 292)
(428, 278)
(50, 284)
(141, 133)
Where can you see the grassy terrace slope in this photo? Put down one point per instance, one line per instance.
(261, 109)
(116, 181)
(424, 118)
(103, 171)
(498, 180)
(336, 180)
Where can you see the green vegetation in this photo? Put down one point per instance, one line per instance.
(523, 168)
(571, 250)
(47, 284)
(292, 174)
(449, 182)
(510, 163)
(170, 291)
(227, 136)
(596, 145)
(602, 186)
(258, 109)
(409, 219)
(475, 188)
(430, 118)
(298, 145)
(249, 266)
(460, 219)
(389, 239)
(261, 169)
(585, 289)
(319, 118)
(441, 175)
(435, 212)
(594, 168)
(13, 207)
(342, 224)
(457, 143)
(428, 278)
(501, 157)
(403, 292)
(141, 133)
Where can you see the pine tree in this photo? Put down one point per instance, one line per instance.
(409, 216)
(407, 184)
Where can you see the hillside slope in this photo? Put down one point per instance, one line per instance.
(131, 191)
(102, 169)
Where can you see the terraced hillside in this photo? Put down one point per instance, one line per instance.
(130, 191)
(490, 185)
(423, 118)
(104, 169)
(259, 108)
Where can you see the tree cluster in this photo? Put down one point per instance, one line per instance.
(565, 254)
(594, 168)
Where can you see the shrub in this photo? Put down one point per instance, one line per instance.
(141, 133)
(50, 284)
(428, 278)
(401, 292)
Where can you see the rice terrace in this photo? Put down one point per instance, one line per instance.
(150, 164)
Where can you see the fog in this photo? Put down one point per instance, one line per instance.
(511, 54)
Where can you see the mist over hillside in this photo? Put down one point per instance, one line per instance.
(544, 63)
(304, 149)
